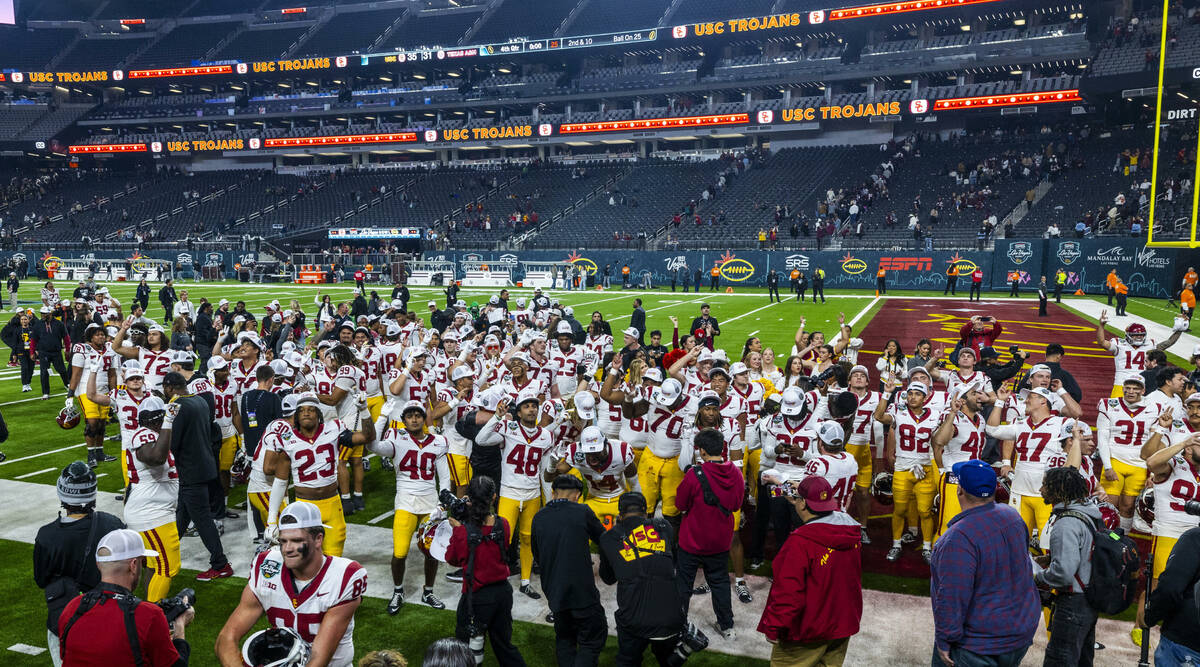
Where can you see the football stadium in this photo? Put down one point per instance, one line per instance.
(295, 292)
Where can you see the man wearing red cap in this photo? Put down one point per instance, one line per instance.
(815, 603)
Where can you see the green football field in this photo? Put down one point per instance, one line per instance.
(37, 449)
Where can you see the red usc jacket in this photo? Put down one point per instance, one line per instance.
(817, 592)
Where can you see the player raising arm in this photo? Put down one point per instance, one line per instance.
(1129, 352)
(298, 587)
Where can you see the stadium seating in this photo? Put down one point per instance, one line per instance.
(695, 11)
(15, 118)
(108, 53)
(138, 9)
(185, 42)
(32, 49)
(601, 16)
(432, 28)
(266, 44)
(523, 18)
(349, 32)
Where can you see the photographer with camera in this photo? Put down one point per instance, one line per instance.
(637, 555)
(108, 625)
(478, 545)
(996, 372)
(979, 332)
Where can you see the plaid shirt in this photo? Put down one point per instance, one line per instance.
(984, 598)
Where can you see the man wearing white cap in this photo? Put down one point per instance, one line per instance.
(565, 358)
(457, 399)
(91, 357)
(915, 476)
(310, 459)
(524, 444)
(1036, 439)
(150, 507)
(245, 359)
(608, 466)
(95, 627)
(418, 457)
(658, 468)
(959, 437)
(521, 315)
(1123, 426)
(299, 587)
(127, 403)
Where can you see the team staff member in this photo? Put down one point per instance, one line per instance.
(815, 604)
(200, 491)
(46, 342)
(64, 563)
(298, 587)
(772, 288)
(104, 621)
(636, 555)
(485, 607)
(881, 280)
(562, 533)
(1110, 282)
(166, 297)
(951, 280)
(14, 284)
(976, 285)
(818, 284)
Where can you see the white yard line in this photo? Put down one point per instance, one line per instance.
(381, 517)
(33, 474)
(36, 398)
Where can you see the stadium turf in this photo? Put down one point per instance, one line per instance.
(37, 449)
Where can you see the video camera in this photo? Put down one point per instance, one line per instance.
(174, 607)
(456, 508)
(1192, 507)
(692, 639)
(819, 381)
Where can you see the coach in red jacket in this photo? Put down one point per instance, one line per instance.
(707, 528)
(815, 602)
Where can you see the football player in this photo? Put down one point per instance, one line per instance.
(94, 353)
(787, 440)
(833, 463)
(1039, 376)
(959, 437)
(126, 402)
(225, 403)
(298, 586)
(1175, 472)
(915, 475)
(262, 468)
(245, 360)
(1129, 352)
(348, 378)
(658, 468)
(154, 494)
(606, 465)
(524, 445)
(1035, 440)
(417, 458)
(1172, 383)
(565, 359)
(1123, 425)
(370, 361)
(523, 380)
(309, 457)
(457, 401)
(860, 442)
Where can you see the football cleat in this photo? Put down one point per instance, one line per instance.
(455, 575)
(527, 589)
(214, 573)
(927, 554)
(893, 554)
(432, 600)
(396, 602)
(743, 592)
(864, 537)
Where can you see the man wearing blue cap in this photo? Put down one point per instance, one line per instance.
(985, 604)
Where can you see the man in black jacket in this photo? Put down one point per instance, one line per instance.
(166, 297)
(47, 340)
(561, 534)
(636, 554)
(142, 295)
(401, 292)
(64, 551)
(199, 484)
(637, 320)
(1173, 603)
(997, 373)
(707, 324)
(1054, 355)
(773, 286)
(205, 335)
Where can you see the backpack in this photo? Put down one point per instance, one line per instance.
(1115, 567)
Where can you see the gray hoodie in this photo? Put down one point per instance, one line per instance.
(1070, 549)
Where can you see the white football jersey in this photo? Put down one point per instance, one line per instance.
(245, 377)
(1182, 485)
(1180, 429)
(732, 405)
(269, 442)
(521, 456)
(417, 462)
(840, 470)
(1122, 429)
(956, 378)
(1157, 402)
(563, 364)
(665, 425)
(126, 407)
(967, 441)
(302, 606)
(372, 362)
(534, 383)
(1129, 361)
(778, 433)
(605, 481)
(752, 396)
(225, 400)
(156, 365)
(459, 445)
(314, 459)
(598, 345)
(83, 355)
(1034, 445)
(390, 354)
(914, 432)
(861, 431)
(731, 434)
(608, 415)
(153, 490)
(351, 379)
(417, 387)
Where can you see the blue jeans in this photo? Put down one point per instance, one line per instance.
(1170, 654)
(964, 658)
(1072, 631)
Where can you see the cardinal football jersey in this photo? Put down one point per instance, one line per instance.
(302, 606)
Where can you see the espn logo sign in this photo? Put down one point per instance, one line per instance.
(906, 263)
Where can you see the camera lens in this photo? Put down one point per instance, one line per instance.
(1192, 507)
